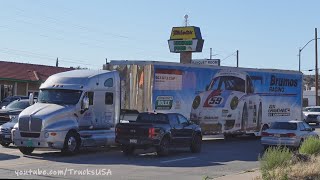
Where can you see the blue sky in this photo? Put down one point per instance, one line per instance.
(82, 33)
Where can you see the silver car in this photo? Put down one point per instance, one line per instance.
(290, 134)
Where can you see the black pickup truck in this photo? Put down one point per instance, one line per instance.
(159, 130)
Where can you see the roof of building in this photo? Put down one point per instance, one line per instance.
(28, 72)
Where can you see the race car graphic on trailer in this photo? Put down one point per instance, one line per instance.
(229, 104)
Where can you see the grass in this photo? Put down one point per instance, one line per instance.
(279, 164)
(310, 146)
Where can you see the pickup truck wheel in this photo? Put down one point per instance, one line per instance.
(71, 144)
(196, 144)
(4, 144)
(163, 149)
(127, 150)
(26, 150)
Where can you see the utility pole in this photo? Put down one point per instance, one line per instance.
(316, 78)
(237, 58)
(210, 53)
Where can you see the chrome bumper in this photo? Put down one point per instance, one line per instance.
(44, 140)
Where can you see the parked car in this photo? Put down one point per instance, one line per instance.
(10, 99)
(5, 132)
(13, 109)
(290, 134)
(311, 114)
(159, 130)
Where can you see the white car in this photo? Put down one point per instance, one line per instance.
(290, 134)
(228, 105)
(311, 114)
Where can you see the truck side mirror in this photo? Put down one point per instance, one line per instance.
(31, 101)
(207, 87)
(85, 104)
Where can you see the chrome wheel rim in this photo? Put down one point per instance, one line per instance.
(72, 143)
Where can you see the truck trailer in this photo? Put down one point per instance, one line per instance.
(222, 100)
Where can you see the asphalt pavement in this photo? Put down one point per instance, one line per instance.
(219, 158)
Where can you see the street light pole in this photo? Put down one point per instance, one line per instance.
(316, 78)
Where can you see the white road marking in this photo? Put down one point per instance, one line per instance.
(173, 160)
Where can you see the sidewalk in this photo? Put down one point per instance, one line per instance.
(246, 175)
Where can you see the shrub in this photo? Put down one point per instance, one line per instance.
(275, 157)
(310, 146)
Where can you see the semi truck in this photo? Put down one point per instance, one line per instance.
(81, 108)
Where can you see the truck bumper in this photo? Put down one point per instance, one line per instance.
(44, 139)
(138, 142)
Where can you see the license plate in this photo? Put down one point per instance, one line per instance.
(7, 136)
(276, 135)
(133, 141)
(29, 143)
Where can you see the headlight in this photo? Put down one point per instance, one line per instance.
(234, 103)
(12, 116)
(196, 102)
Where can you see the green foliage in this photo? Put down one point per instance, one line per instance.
(274, 157)
(310, 146)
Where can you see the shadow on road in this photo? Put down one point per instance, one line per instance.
(7, 157)
(214, 152)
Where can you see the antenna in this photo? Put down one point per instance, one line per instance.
(186, 20)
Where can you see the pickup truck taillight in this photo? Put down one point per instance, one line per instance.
(152, 132)
(117, 130)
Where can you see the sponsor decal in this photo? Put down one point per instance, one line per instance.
(213, 99)
(275, 111)
(278, 84)
(164, 102)
(168, 79)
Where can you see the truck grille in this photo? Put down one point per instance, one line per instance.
(25, 125)
(4, 118)
(32, 135)
(5, 131)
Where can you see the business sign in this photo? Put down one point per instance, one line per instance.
(168, 80)
(182, 33)
(209, 62)
(193, 45)
(185, 39)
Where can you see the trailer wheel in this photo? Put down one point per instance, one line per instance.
(244, 120)
(196, 144)
(163, 149)
(5, 144)
(259, 117)
(127, 150)
(71, 143)
(26, 150)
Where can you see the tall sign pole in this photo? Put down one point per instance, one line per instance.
(316, 78)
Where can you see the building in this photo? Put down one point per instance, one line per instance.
(309, 97)
(23, 79)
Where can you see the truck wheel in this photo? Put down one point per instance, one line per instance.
(127, 150)
(71, 144)
(163, 149)
(196, 144)
(26, 150)
(4, 144)
(244, 120)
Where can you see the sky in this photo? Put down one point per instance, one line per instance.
(268, 34)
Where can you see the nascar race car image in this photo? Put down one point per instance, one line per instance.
(229, 104)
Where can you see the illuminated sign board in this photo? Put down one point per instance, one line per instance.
(185, 39)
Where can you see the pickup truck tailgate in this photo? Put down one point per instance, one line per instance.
(133, 130)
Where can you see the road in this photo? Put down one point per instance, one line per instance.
(218, 158)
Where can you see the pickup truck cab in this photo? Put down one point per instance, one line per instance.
(158, 130)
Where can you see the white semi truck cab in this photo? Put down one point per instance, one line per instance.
(78, 108)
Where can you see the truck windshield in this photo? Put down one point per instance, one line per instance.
(59, 96)
(227, 83)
